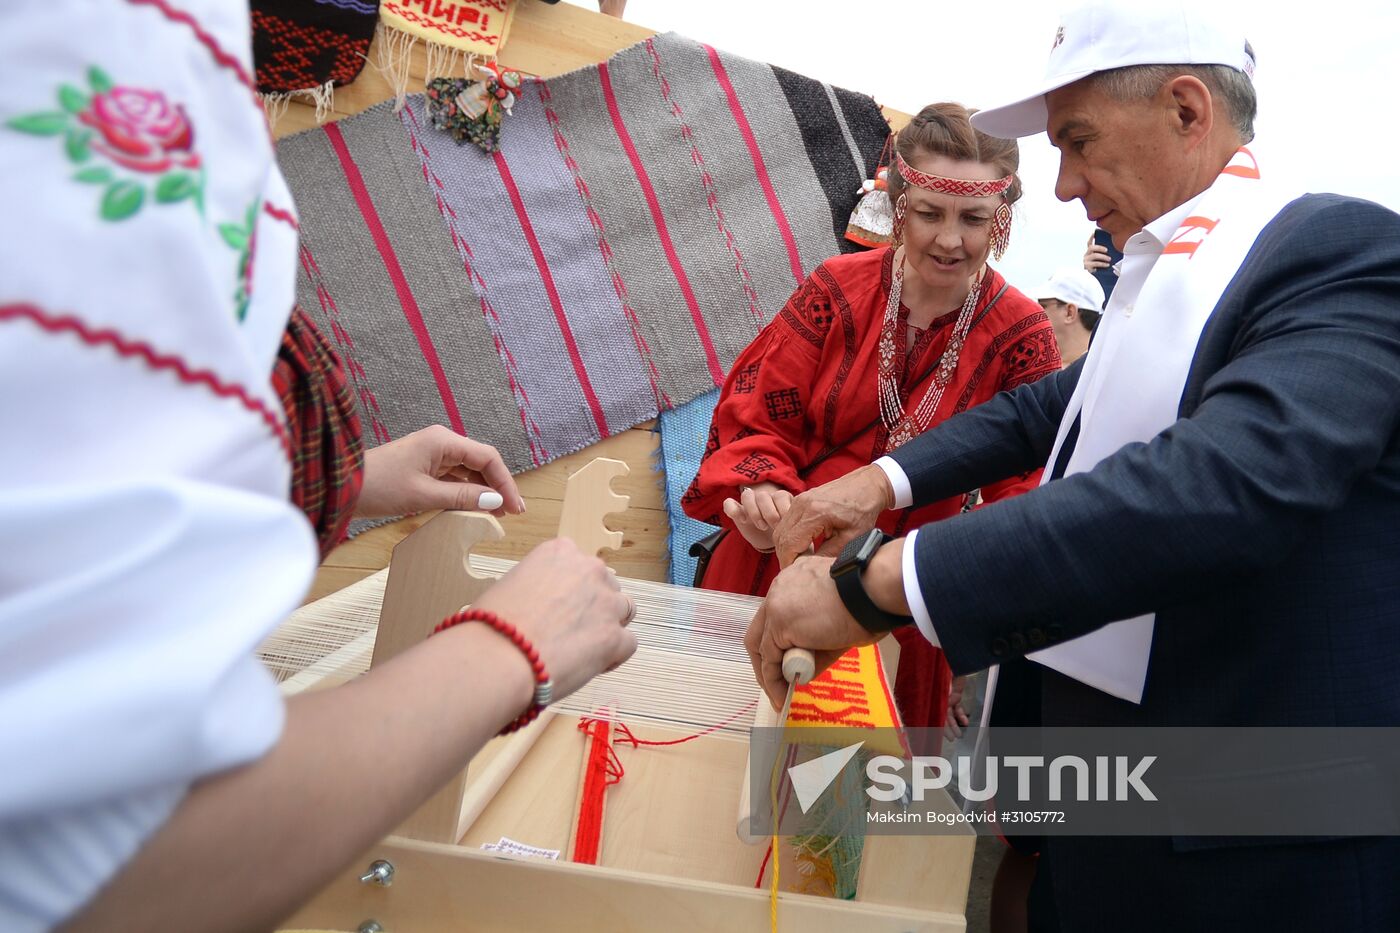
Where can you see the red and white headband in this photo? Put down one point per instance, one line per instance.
(958, 187)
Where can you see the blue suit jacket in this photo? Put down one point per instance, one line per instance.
(1263, 528)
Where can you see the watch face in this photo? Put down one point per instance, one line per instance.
(857, 553)
(849, 558)
(872, 542)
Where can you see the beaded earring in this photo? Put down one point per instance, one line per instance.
(1001, 230)
(901, 207)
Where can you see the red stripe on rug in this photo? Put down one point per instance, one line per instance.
(555, 302)
(331, 311)
(761, 170)
(533, 436)
(663, 401)
(701, 330)
(391, 265)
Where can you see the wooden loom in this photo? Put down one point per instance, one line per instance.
(670, 857)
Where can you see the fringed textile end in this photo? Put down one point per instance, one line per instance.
(393, 53)
(454, 35)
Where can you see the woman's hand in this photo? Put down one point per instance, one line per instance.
(569, 605)
(757, 512)
(323, 791)
(436, 468)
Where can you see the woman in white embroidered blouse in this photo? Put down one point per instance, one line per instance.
(154, 778)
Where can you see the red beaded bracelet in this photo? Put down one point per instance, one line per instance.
(544, 687)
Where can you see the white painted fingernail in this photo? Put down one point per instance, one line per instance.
(490, 501)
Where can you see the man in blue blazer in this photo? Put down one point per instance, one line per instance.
(1218, 538)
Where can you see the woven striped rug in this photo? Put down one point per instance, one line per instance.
(643, 219)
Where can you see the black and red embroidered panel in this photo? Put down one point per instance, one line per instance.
(301, 44)
(783, 404)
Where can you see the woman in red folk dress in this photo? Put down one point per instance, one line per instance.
(872, 349)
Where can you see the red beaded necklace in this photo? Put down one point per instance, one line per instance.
(904, 426)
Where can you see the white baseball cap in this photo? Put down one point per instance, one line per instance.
(1073, 286)
(1102, 34)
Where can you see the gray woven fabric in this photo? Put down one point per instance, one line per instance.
(618, 197)
(368, 307)
(786, 159)
(571, 402)
(684, 67)
(641, 301)
(857, 156)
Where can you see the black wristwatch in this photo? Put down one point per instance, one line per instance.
(848, 571)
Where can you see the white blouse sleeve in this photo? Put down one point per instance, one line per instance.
(147, 541)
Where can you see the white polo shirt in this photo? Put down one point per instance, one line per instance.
(1140, 255)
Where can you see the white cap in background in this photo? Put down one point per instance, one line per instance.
(1075, 287)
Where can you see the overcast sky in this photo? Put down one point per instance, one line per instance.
(1328, 80)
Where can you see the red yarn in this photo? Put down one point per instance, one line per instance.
(636, 742)
(767, 854)
(782, 812)
(602, 771)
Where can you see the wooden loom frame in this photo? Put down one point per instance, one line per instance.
(523, 786)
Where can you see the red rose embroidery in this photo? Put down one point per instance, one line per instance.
(141, 130)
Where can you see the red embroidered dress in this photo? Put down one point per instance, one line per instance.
(800, 408)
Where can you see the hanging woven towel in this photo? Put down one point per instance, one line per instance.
(456, 33)
(308, 48)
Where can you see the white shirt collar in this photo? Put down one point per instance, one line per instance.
(1153, 238)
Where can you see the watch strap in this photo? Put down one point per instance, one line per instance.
(850, 586)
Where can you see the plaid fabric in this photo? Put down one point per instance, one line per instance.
(300, 44)
(327, 454)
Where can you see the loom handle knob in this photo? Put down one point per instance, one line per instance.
(799, 665)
